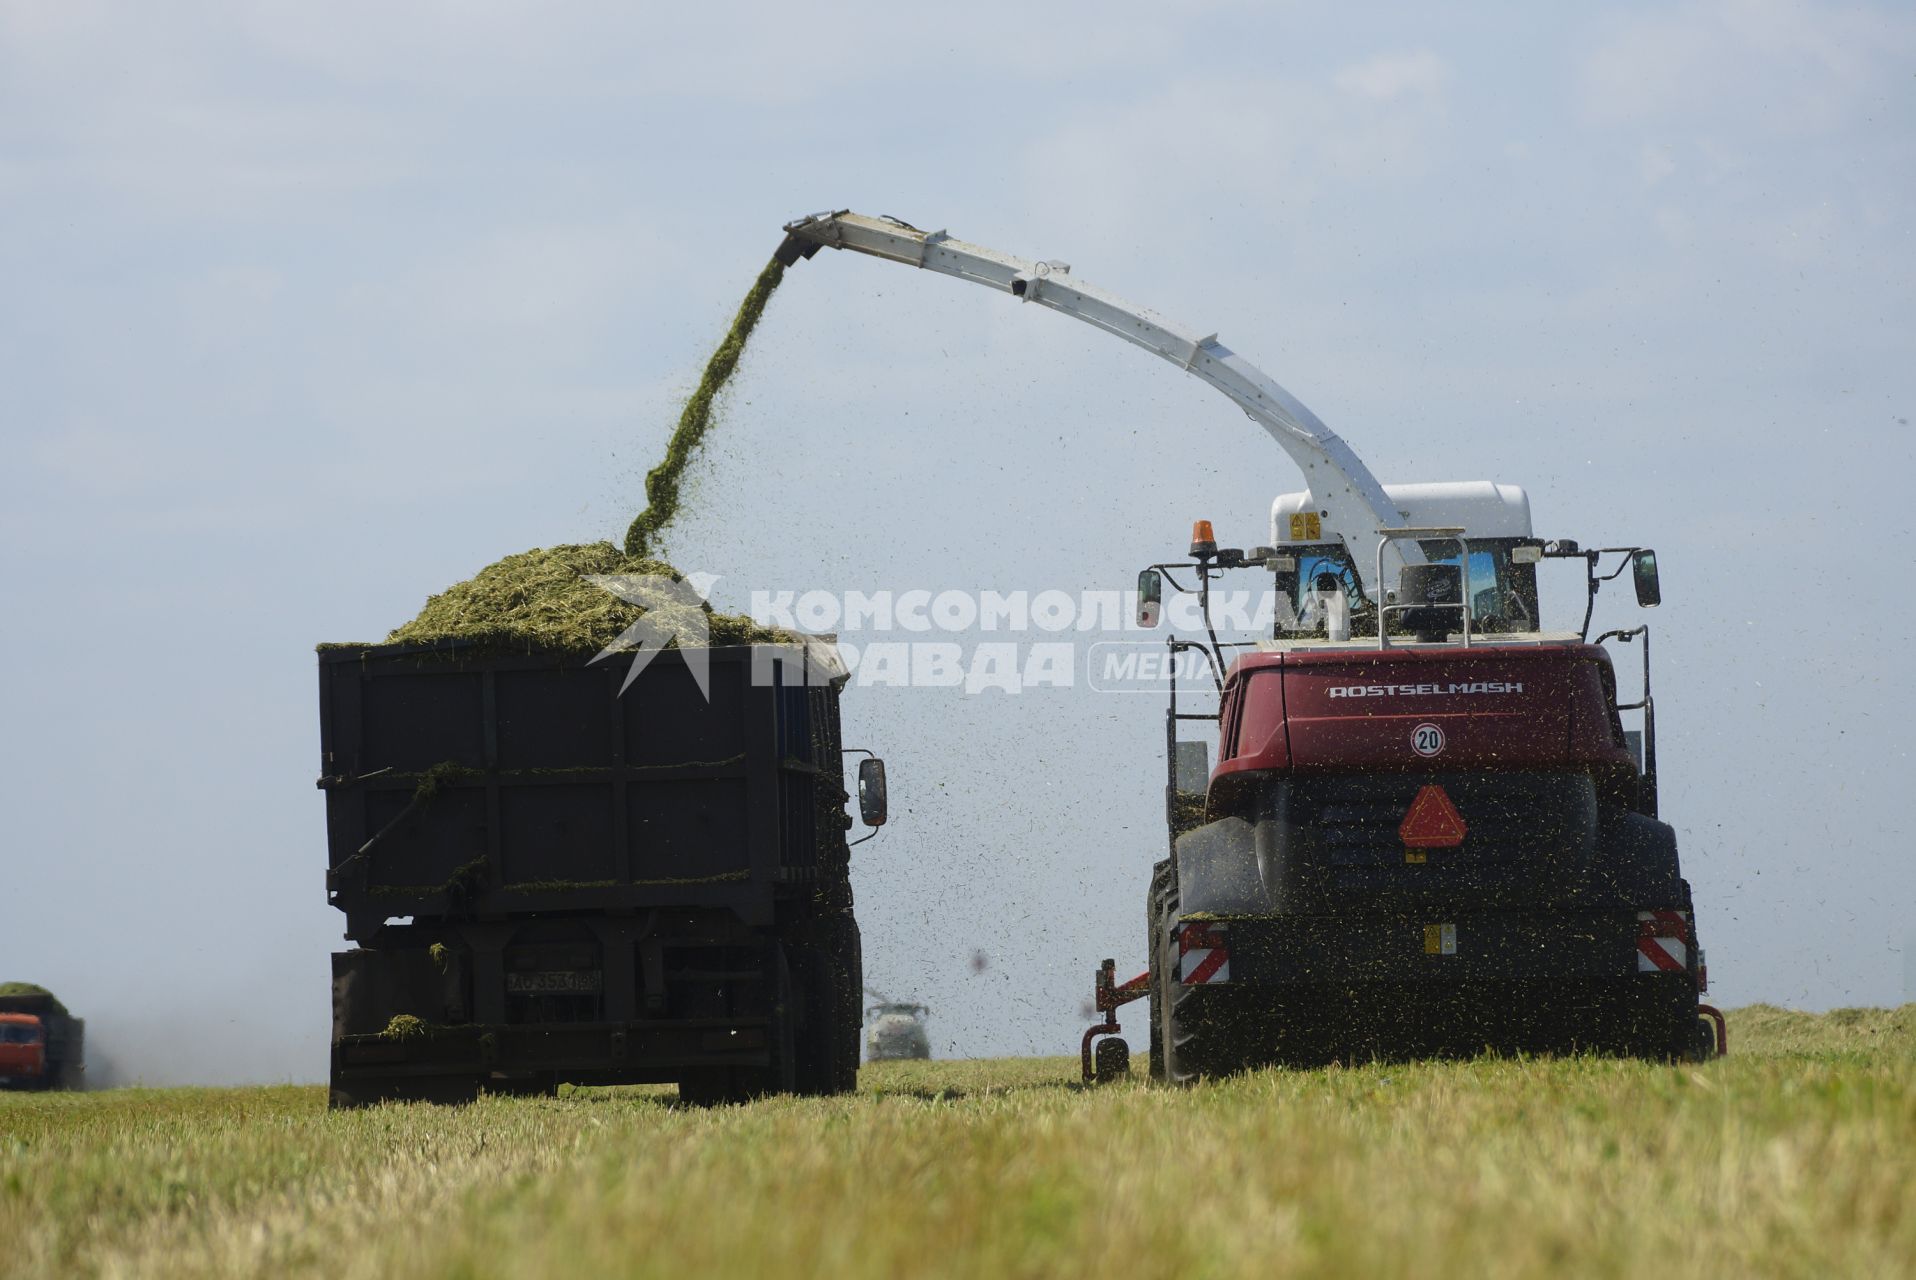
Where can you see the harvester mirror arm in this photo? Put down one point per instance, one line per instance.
(1344, 488)
(1165, 569)
(1626, 552)
(1215, 655)
(1594, 581)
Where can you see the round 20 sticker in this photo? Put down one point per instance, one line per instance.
(1427, 739)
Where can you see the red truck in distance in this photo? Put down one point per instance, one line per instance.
(41, 1045)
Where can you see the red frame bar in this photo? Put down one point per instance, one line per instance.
(1109, 997)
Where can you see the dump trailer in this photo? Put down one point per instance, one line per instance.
(42, 1046)
(1428, 830)
(552, 875)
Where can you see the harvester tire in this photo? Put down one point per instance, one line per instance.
(1155, 924)
(1195, 1044)
(1703, 1046)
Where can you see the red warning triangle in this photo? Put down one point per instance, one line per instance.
(1432, 821)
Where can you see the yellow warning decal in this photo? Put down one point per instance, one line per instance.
(1415, 856)
(1440, 939)
(1306, 527)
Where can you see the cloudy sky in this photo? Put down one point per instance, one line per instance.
(309, 311)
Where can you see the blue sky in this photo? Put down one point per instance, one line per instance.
(310, 311)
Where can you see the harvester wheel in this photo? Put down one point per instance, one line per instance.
(1703, 1046)
(1111, 1060)
(1154, 926)
(1193, 1046)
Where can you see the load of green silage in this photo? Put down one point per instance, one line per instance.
(542, 600)
(32, 989)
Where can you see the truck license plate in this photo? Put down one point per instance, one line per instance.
(562, 981)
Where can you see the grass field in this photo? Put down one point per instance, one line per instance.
(1795, 1156)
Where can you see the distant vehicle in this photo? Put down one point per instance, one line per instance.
(41, 1045)
(894, 1030)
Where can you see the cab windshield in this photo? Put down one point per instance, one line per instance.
(19, 1033)
(1503, 593)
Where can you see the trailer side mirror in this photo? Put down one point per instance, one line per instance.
(1643, 571)
(1150, 597)
(871, 791)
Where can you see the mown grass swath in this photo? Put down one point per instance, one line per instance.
(1791, 1157)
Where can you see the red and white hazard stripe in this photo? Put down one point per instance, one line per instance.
(1663, 941)
(1204, 955)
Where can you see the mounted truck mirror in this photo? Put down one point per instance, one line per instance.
(871, 791)
(1150, 597)
(1643, 571)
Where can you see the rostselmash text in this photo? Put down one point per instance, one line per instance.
(1424, 690)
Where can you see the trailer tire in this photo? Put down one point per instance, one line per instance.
(718, 1087)
(825, 964)
(543, 1084)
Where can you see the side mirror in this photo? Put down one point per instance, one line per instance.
(871, 791)
(1643, 571)
(1150, 597)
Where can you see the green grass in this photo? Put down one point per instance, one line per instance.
(1795, 1156)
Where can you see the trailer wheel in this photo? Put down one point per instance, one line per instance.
(825, 965)
(543, 1084)
(714, 1087)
